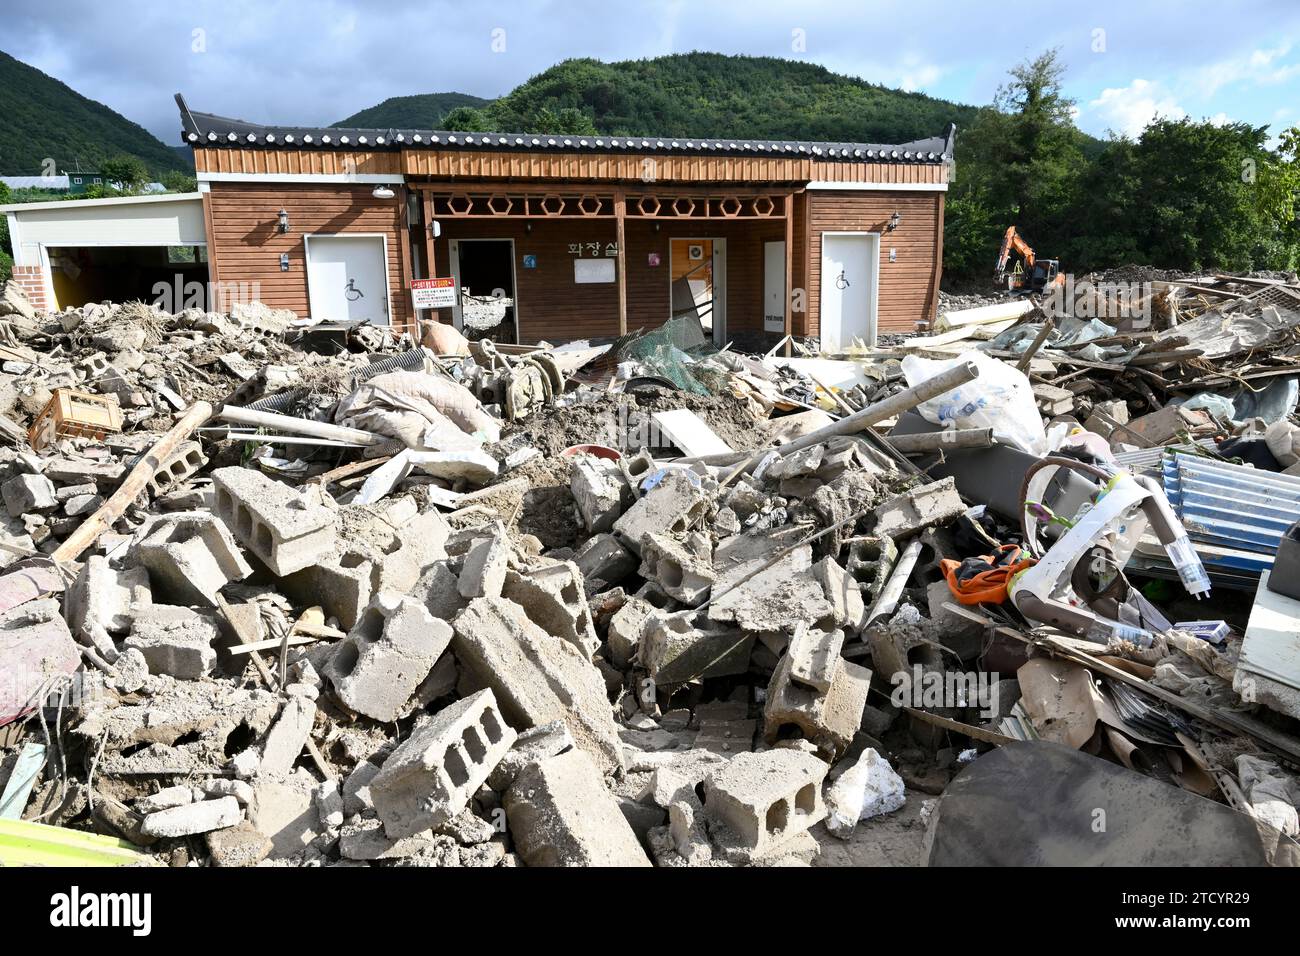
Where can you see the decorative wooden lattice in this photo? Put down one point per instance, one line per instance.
(569, 205)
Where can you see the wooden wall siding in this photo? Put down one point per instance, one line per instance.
(553, 307)
(466, 164)
(318, 162)
(246, 246)
(908, 285)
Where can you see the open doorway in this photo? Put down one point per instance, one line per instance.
(698, 289)
(484, 270)
(174, 276)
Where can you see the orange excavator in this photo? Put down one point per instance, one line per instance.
(1031, 274)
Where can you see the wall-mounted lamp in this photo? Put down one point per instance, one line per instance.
(435, 229)
(382, 192)
(894, 220)
(282, 220)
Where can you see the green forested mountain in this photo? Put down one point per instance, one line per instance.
(422, 111)
(43, 118)
(701, 94)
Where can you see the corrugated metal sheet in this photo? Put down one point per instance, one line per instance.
(1231, 507)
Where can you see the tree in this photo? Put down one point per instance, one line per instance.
(177, 182)
(1019, 163)
(1198, 205)
(467, 119)
(127, 174)
(6, 254)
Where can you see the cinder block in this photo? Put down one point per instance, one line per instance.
(814, 657)
(181, 465)
(532, 745)
(386, 655)
(191, 556)
(176, 641)
(561, 814)
(287, 528)
(603, 562)
(871, 559)
(673, 506)
(536, 677)
(484, 571)
(627, 630)
(104, 597)
(675, 651)
(598, 488)
(432, 775)
(766, 799)
(552, 596)
(828, 719)
(932, 504)
(680, 573)
(848, 609)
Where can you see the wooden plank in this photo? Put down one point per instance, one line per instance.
(620, 213)
(788, 315)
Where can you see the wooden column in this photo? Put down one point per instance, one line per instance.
(404, 258)
(620, 215)
(789, 274)
(430, 261)
(210, 236)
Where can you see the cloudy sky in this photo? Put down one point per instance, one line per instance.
(315, 63)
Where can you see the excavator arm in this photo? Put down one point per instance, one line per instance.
(1012, 242)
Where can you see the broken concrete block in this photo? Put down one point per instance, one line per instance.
(287, 737)
(908, 513)
(356, 788)
(386, 655)
(534, 744)
(484, 571)
(603, 562)
(193, 818)
(26, 494)
(673, 506)
(675, 651)
(814, 657)
(777, 598)
(439, 591)
(959, 633)
(239, 845)
(682, 574)
(431, 776)
(627, 630)
(79, 505)
(867, 788)
(104, 597)
(536, 677)
(767, 798)
(285, 813)
(181, 465)
(176, 641)
(287, 528)
(799, 464)
(165, 799)
(561, 814)
(553, 597)
(847, 607)
(871, 559)
(828, 719)
(191, 556)
(599, 490)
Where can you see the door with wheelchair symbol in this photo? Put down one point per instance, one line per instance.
(347, 278)
(849, 287)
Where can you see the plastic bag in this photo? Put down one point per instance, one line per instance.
(1001, 399)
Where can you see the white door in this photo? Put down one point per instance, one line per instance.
(774, 286)
(848, 289)
(347, 278)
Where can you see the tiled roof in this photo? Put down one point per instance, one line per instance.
(207, 129)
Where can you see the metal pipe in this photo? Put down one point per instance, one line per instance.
(938, 441)
(887, 600)
(887, 408)
(298, 426)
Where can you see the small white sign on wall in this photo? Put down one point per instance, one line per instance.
(593, 270)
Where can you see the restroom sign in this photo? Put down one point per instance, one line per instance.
(433, 293)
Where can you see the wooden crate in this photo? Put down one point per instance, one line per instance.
(73, 414)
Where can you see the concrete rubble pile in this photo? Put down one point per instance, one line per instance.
(335, 597)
